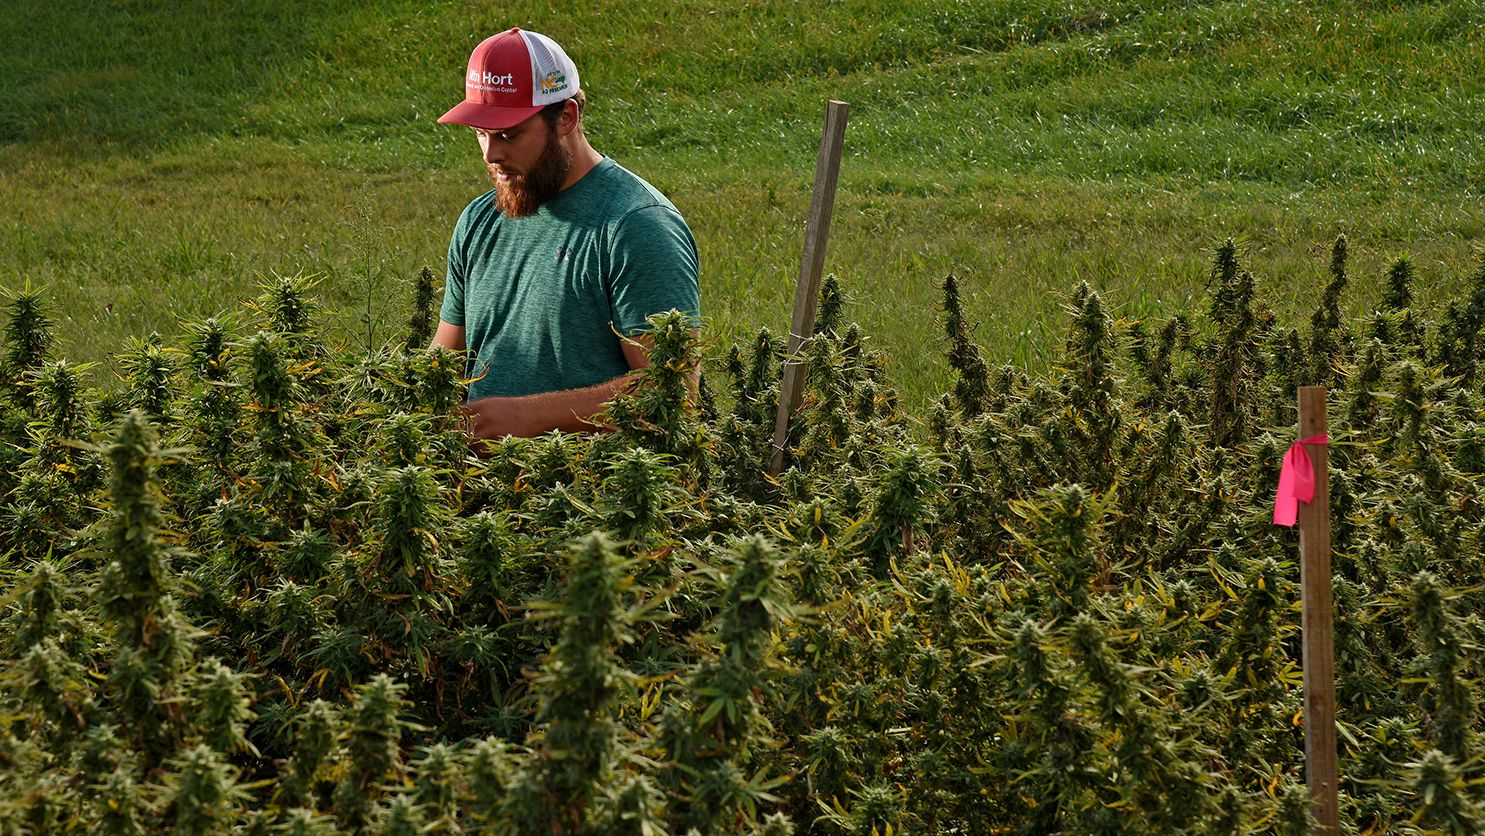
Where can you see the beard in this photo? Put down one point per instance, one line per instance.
(523, 194)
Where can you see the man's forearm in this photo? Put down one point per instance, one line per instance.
(571, 410)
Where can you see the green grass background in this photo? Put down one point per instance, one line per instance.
(158, 158)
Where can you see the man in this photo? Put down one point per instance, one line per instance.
(552, 274)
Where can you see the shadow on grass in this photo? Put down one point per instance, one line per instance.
(89, 77)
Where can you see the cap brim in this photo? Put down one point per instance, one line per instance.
(487, 117)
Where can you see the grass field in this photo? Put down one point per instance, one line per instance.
(158, 158)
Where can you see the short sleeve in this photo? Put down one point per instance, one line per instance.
(653, 268)
(453, 286)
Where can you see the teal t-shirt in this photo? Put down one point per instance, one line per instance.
(543, 298)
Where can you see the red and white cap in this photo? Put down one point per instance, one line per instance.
(511, 76)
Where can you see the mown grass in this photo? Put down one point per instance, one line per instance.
(158, 157)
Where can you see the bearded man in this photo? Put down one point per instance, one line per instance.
(552, 275)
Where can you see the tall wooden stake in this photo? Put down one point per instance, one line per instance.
(807, 294)
(1318, 612)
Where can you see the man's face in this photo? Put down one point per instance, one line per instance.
(528, 165)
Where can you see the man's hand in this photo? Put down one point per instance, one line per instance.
(499, 417)
(574, 410)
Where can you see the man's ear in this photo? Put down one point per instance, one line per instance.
(571, 115)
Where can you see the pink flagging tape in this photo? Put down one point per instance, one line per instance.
(1296, 480)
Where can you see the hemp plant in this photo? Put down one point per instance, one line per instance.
(28, 337)
(1329, 341)
(149, 373)
(373, 728)
(154, 641)
(972, 389)
(577, 739)
(1449, 700)
(658, 411)
(279, 466)
(1095, 421)
(212, 407)
(710, 748)
(1236, 353)
(424, 319)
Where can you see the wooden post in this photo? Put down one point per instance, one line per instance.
(807, 294)
(1318, 613)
